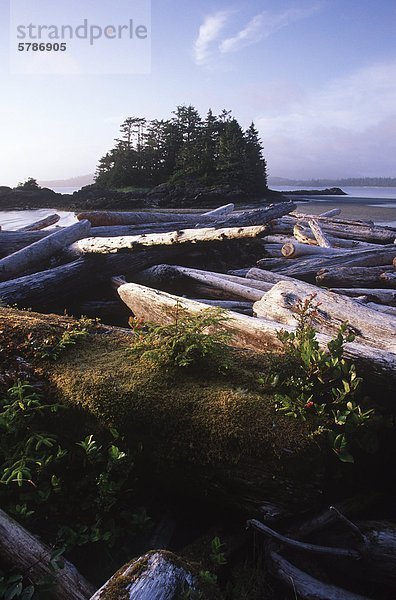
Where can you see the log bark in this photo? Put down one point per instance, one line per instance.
(191, 236)
(157, 575)
(369, 326)
(25, 552)
(59, 287)
(355, 277)
(387, 297)
(37, 225)
(295, 250)
(30, 257)
(257, 334)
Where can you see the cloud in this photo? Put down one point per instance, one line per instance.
(345, 128)
(264, 25)
(209, 32)
(249, 35)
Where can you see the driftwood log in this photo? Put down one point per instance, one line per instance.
(28, 554)
(32, 256)
(295, 250)
(307, 268)
(248, 332)
(258, 216)
(354, 277)
(369, 326)
(158, 575)
(374, 295)
(62, 286)
(171, 278)
(192, 236)
(42, 224)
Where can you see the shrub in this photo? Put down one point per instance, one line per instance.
(192, 342)
(322, 382)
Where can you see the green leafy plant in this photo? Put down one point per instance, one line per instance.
(82, 490)
(322, 382)
(217, 555)
(188, 342)
(52, 347)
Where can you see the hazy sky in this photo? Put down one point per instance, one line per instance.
(318, 77)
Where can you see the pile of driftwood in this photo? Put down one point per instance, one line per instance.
(348, 265)
(152, 262)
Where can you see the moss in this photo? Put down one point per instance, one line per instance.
(117, 589)
(212, 428)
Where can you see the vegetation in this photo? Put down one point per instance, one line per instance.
(322, 383)
(29, 185)
(185, 148)
(189, 342)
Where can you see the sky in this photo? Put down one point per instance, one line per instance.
(318, 78)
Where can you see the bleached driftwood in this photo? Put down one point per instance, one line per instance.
(27, 554)
(42, 224)
(248, 332)
(320, 236)
(192, 236)
(369, 326)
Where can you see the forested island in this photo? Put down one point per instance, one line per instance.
(214, 150)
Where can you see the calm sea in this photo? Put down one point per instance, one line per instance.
(377, 204)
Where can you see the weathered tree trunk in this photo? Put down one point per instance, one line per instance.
(57, 288)
(234, 287)
(257, 334)
(244, 308)
(157, 575)
(12, 241)
(308, 267)
(347, 229)
(320, 237)
(389, 279)
(266, 276)
(294, 250)
(26, 553)
(227, 209)
(369, 326)
(37, 225)
(258, 216)
(30, 257)
(354, 277)
(192, 236)
(374, 295)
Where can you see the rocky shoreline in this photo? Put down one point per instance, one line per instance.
(94, 197)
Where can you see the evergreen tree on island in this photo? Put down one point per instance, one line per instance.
(185, 149)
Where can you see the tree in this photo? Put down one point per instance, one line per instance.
(30, 184)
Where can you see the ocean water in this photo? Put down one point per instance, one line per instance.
(377, 204)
